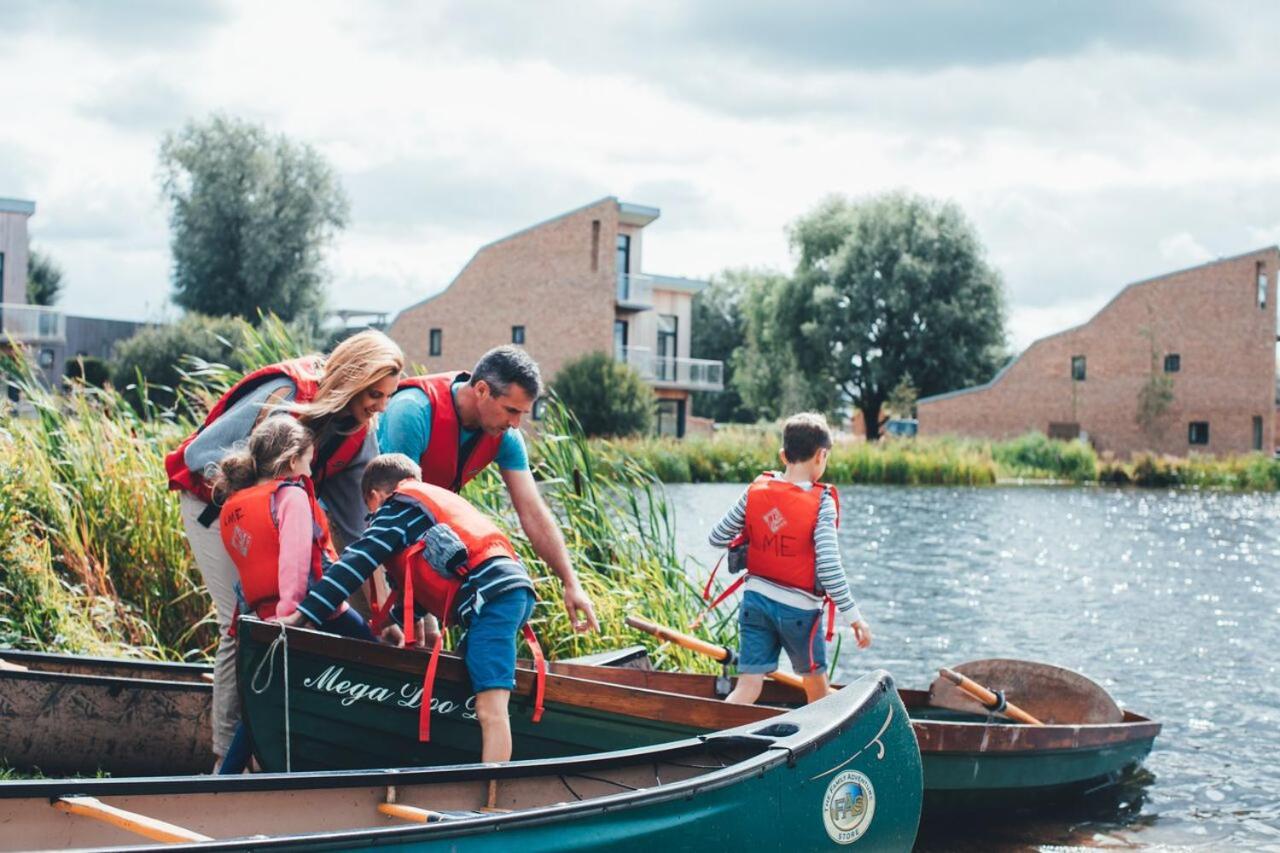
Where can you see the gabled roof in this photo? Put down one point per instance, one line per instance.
(946, 395)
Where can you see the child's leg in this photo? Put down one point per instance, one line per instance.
(490, 656)
(815, 686)
(495, 724)
(747, 690)
(238, 753)
(349, 623)
(758, 647)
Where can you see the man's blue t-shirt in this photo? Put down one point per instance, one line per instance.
(405, 427)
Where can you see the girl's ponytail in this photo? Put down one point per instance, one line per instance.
(270, 451)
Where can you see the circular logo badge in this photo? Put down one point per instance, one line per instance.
(848, 807)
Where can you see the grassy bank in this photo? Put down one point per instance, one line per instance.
(738, 455)
(93, 558)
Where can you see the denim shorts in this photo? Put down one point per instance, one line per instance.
(490, 642)
(766, 627)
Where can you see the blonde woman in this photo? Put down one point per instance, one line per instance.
(337, 399)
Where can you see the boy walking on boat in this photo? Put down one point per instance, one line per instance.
(789, 522)
(447, 558)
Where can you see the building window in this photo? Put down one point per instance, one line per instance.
(1172, 363)
(436, 345)
(517, 335)
(595, 245)
(620, 340)
(624, 254)
(670, 420)
(1257, 432)
(539, 409)
(1077, 368)
(1198, 432)
(46, 358)
(668, 330)
(1262, 285)
(1, 270)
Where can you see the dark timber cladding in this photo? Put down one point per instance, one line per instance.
(1206, 335)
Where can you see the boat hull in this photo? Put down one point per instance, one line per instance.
(64, 715)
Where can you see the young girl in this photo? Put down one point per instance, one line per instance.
(276, 534)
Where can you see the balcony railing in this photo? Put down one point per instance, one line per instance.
(694, 374)
(635, 291)
(30, 324)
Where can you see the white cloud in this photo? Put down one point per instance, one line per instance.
(1090, 148)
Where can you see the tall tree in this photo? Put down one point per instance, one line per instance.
(766, 371)
(44, 279)
(250, 215)
(718, 330)
(889, 287)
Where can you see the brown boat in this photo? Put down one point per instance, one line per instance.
(69, 714)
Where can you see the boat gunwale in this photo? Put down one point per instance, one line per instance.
(107, 681)
(817, 725)
(31, 658)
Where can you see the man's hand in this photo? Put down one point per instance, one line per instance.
(428, 629)
(294, 620)
(578, 605)
(862, 633)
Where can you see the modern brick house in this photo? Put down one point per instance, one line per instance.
(1207, 333)
(563, 288)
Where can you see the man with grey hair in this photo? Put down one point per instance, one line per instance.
(456, 424)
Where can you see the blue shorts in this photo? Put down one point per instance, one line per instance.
(490, 643)
(766, 627)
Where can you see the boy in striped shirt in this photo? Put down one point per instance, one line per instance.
(789, 522)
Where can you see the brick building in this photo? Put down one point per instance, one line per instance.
(563, 288)
(1207, 333)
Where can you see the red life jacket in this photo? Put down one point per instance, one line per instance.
(435, 593)
(780, 521)
(778, 535)
(305, 374)
(444, 463)
(252, 539)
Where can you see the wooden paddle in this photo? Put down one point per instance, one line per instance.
(702, 647)
(988, 698)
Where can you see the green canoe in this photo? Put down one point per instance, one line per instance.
(842, 771)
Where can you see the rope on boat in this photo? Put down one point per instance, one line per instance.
(259, 687)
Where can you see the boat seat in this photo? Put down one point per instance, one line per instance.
(139, 824)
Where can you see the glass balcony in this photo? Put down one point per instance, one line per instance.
(665, 371)
(635, 292)
(31, 324)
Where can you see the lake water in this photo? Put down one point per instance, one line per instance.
(1170, 600)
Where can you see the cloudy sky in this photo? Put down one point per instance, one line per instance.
(1092, 143)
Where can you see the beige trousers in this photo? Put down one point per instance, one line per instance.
(220, 577)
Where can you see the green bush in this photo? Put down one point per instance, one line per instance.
(607, 397)
(1035, 454)
(89, 370)
(149, 366)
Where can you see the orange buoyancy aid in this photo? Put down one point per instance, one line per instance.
(780, 520)
(305, 373)
(252, 539)
(435, 591)
(445, 462)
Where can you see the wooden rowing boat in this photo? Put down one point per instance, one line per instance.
(352, 705)
(817, 778)
(67, 714)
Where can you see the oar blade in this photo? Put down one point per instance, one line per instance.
(1050, 693)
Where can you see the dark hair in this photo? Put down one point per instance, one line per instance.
(504, 366)
(272, 447)
(803, 435)
(386, 471)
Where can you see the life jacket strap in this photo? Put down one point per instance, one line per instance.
(540, 666)
(428, 682)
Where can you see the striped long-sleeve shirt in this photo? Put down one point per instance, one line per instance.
(399, 524)
(828, 564)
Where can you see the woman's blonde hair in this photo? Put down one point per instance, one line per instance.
(271, 449)
(355, 364)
